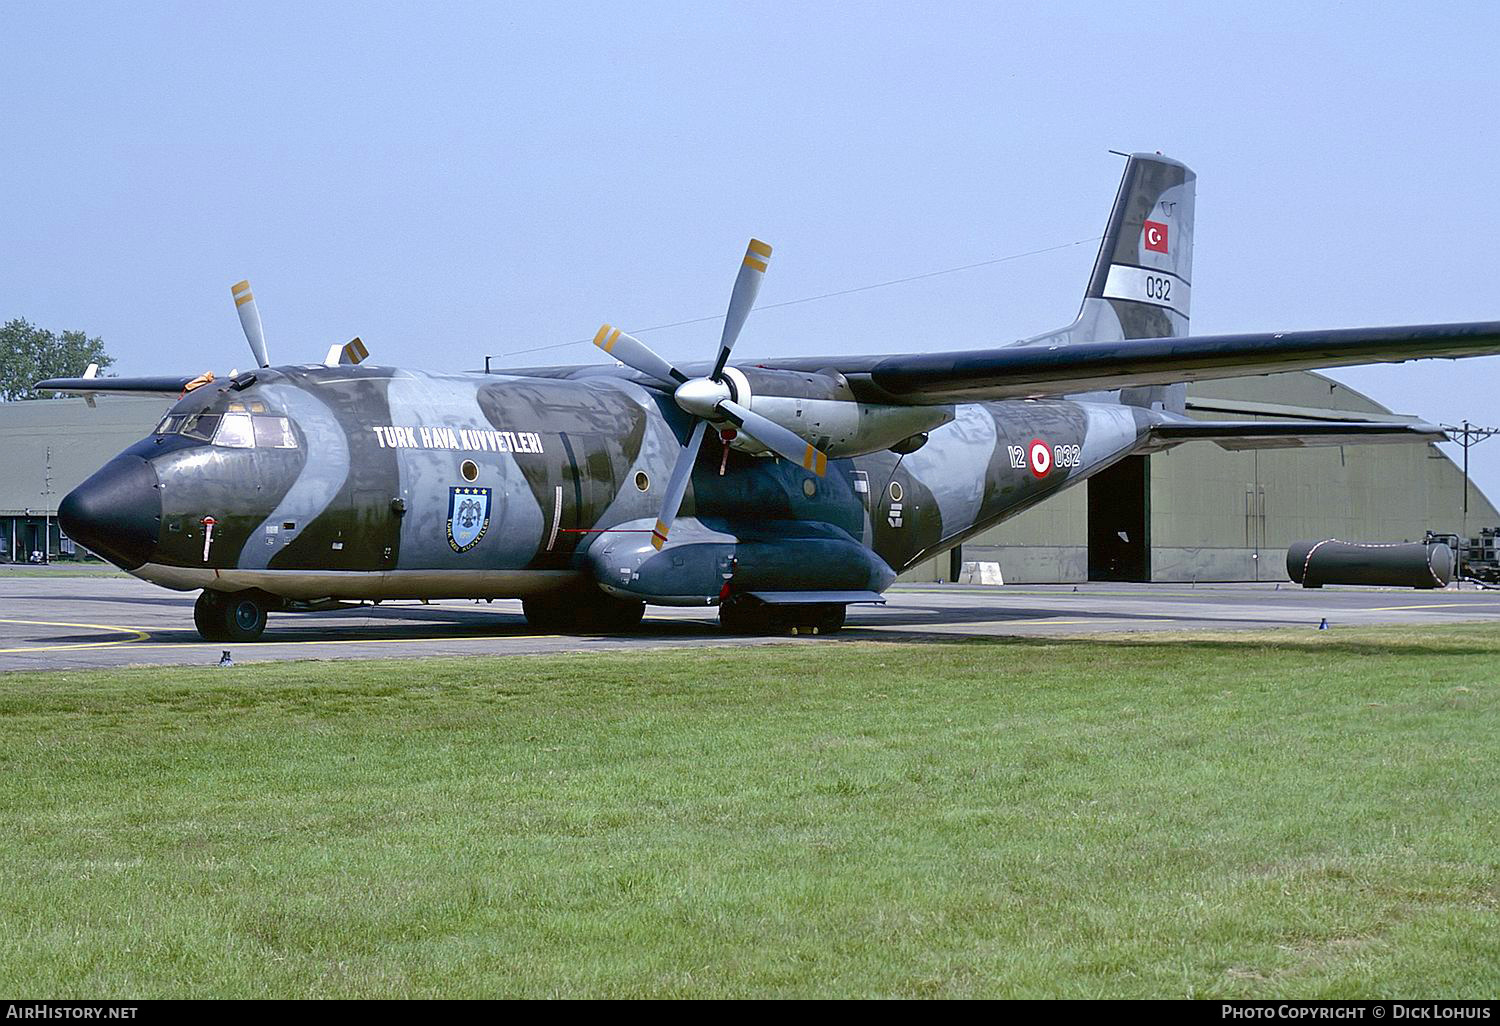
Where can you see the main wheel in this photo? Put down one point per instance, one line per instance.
(826, 618)
(544, 614)
(244, 617)
(617, 616)
(741, 615)
(240, 616)
(208, 615)
(587, 612)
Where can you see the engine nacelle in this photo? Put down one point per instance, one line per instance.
(822, 409)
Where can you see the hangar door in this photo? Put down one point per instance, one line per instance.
(1120, 522)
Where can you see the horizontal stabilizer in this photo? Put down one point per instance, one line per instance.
(1290, 434)
(1018, 372)
(164, 386)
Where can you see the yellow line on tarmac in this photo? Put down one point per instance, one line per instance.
(1422, 605)
(270, 643)
(141, 638)
(938, 628)
(1050, 621)
(139, 635)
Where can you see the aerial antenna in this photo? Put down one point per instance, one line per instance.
(810, 299)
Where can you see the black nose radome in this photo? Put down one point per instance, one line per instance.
(117, 512)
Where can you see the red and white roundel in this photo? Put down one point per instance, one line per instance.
(1041, 457)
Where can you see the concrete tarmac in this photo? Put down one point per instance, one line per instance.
(49, 623)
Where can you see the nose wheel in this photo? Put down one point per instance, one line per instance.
(238, 616)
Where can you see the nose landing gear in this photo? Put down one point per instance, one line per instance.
(234, 616)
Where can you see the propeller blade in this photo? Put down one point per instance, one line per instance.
(636, 355)
(746, 286)
(244, 300)
(677, 486)
(787, 444)
(353, 351)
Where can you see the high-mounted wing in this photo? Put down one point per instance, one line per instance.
(164, 386)
(1020, 372)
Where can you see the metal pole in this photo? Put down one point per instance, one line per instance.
(47, 512)
(1463, 539)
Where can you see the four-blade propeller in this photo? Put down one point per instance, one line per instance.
(712, 399)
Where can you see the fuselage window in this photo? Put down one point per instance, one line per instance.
(235, 432)
(274, 433)
(170, 424)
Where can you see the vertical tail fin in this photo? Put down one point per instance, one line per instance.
(1143, 274)
(1142, 277)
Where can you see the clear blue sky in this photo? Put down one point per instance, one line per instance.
(449, 180)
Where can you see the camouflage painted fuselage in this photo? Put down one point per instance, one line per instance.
(359, 482)
(402, 484)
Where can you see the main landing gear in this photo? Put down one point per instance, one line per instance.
(583, 612)
(741, 614)
(230, 616)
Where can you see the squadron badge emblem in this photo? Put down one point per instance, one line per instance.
(468, 517)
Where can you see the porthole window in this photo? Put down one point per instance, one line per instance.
(470, 470)
(809, 487)
(896, 491)
(642, 482)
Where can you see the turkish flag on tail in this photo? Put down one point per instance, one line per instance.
(1155, 234)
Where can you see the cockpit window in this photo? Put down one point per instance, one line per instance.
(235, 432)
(201, 425)
(240, 425)
(274, 433)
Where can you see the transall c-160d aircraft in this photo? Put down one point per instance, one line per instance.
(588, 491)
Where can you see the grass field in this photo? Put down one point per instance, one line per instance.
(1286, 815)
